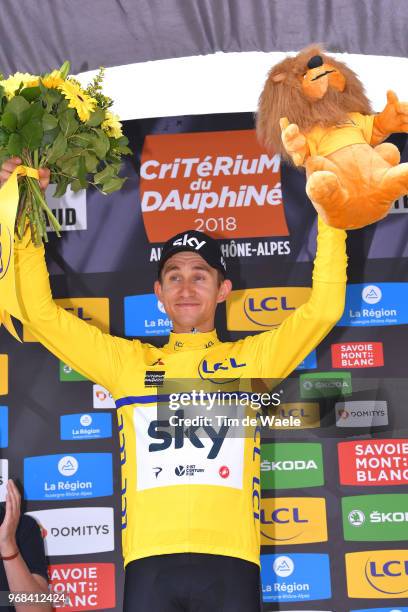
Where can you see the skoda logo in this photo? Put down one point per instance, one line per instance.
(180, 470)
(356, 518)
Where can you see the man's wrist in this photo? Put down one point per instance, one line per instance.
(8, 548)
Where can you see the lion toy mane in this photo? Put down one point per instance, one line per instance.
(313, 111)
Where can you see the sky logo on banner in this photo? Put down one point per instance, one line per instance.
(3, 374)
(89, 586)
(145, 316)
(379, 462)
(91, 310)
(61, 477)
(307, 414)
(3, 426)
(291, 465)
(102, 399)
(361, 413)
(3, 479)
(375, 517)
(296, 577)
(222, 182)
(357, 355)
(70, 209)
(309, 362)
(376, 305)
(86, 426)
(377, 574)
(293, 520)
(67, 374)
(76, 531)
(325, 384)
(254, 309)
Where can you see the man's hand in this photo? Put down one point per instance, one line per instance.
(8, 545)
(11, 164)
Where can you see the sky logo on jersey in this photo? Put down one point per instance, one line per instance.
(254, 309)
(76, 531)
(3, 426)
(102, 399)
(91, 310)
(376, 305)
(306, 413)
(380, 462)
(361, 413)
(377, 574)
(62, 477)
(67, 374)
(357, 355)
(295, 577)
(291, 465)
(145, 316)
(3, 374)
(88, 586)
(371, 518)
(222, 182)
(86, 426)
(309, 362)
(325, 384)
(293, 520)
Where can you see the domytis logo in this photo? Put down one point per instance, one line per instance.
(68, 466)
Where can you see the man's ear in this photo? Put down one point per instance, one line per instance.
(224, 290)
(157, 290)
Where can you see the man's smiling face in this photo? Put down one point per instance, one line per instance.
(190, 289)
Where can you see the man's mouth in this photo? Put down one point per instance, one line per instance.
(319, 76)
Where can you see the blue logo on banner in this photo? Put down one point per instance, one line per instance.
(86, 426)
(3, 426)
(375, 305)
(309, 362)
(392, 609)
(62, 477)
(295, 577)
(145, 316)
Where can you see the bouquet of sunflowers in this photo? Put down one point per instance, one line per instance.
(52, 121)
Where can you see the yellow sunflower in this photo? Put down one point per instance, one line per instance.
(13, 82)
(52, 80)
(78, 99)
(112, 126)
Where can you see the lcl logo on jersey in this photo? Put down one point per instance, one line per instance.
(254, 309)
(222, 368)
(377, 574)
(293, 520)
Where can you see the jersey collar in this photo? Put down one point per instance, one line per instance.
(185, 342)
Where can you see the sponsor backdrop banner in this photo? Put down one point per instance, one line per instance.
(334, 514)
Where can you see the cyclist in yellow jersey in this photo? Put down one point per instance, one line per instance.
(191, 542)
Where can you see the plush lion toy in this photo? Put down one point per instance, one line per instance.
(314, 111)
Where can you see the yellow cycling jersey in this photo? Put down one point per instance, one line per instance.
(186, 493)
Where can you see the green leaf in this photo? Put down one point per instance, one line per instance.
(104, 174)
(91, 161)
(15, 144)
(100, 144)
(69, 166)
(50, 136)
(32, 134)
(64, 70)
(58, 149)
(16, 106)
(4, 137)
(31, 93)
(51, 97)
(96, 118)
(33, 113)
(2, 91)
(62, 184)
(113, 184)
(82, 139)
(81, 172)
(49, 122)
(68, 123)
(9, 121)
(77, 185)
